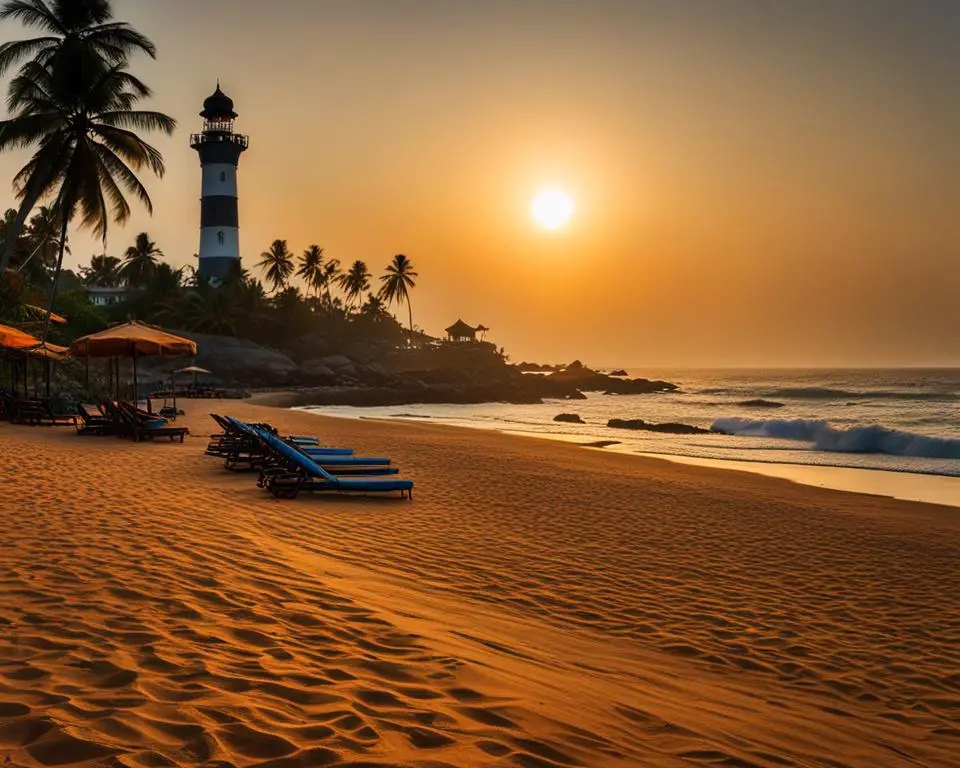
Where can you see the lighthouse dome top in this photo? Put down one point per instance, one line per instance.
(218, 105)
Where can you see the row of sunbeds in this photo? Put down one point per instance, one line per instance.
(289, 465)
(33, 411)
(123, 419)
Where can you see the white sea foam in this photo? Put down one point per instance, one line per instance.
(824, 436)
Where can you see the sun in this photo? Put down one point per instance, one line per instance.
(552, 208)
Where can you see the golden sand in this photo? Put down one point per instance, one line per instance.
(537, 604)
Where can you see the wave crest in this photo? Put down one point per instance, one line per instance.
(823, 436)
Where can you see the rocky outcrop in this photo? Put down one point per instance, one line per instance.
(761, 403)
(618, 372)
(669, 427)
(570, 418)
(233, 360)
(538, 367)
(587, 380)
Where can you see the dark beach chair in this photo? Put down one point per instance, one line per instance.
(237, 438)
(142, 426)
(291, 472)
(93, 421)
(251, 454)
(38, 412)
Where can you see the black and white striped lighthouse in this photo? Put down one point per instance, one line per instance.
(219, 149)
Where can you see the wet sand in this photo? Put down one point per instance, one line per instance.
(535, 604)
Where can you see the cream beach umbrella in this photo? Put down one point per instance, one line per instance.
(196, 370)
(133, 339)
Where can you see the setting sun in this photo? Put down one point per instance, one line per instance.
(552, 208)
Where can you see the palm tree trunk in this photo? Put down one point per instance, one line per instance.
(56, 274)
(410, 310)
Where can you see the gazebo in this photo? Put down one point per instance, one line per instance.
(460, 331)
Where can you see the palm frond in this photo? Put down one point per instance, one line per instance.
(134, 150)
(143, 120)
(119, 38)
(20, 132)
(14, 51)
(32, 13)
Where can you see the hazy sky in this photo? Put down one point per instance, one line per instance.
(757, 182)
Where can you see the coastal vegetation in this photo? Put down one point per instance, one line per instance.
(312, 319)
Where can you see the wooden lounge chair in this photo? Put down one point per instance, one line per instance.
(145, 427)
(292, 471)
(38, 412)
(94, 422)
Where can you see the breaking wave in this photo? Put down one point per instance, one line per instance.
(823, 436)
(830, 393)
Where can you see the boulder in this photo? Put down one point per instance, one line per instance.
(618, 372)
(761, 403)
(672, 428)
(570, 418)
(241, 361)
(587, 380)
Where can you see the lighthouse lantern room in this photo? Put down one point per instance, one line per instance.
(219, 149)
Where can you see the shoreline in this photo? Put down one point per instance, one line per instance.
(900, 485)
(693, 610)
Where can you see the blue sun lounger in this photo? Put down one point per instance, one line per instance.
(301, 473)
(337, 460)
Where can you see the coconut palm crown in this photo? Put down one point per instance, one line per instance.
(277, 264)
(79, 42)
(311, 268)
(355, 281)
(397, 283)
(140, 261)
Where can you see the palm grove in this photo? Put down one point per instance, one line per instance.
(75, 107)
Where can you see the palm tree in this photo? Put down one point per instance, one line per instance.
(78, 40)
(103, 271)
(311, 268)
(397, 283)
(87, 150)
(277, 264)
(41, 238)
(331, 275)
(374, 309)
(355, 281)
(140, 261)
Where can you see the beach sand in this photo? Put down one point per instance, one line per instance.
(536, 604)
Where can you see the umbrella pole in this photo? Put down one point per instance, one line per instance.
(47, 366)
(136, 400)
(116, 373)
(86, 378)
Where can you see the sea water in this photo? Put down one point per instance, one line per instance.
(904, 420)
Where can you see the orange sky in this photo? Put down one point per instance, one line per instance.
(757, 183)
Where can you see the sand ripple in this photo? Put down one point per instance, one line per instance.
(157, 611)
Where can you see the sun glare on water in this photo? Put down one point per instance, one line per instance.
(552, 208)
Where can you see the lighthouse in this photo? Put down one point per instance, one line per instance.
(219, 149)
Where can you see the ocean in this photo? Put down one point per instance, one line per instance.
(893, 420)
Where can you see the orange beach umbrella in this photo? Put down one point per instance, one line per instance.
(14, 338)
(133, 339)
(129, 339)
(20, 341)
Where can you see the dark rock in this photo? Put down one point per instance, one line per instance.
(618, 372)
(571, 418)
(600, 443)
(667, 427)
(588, 380)
(761, 403)
(538, 367)
(241, 361)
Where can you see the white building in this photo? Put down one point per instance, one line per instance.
(108, 296)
